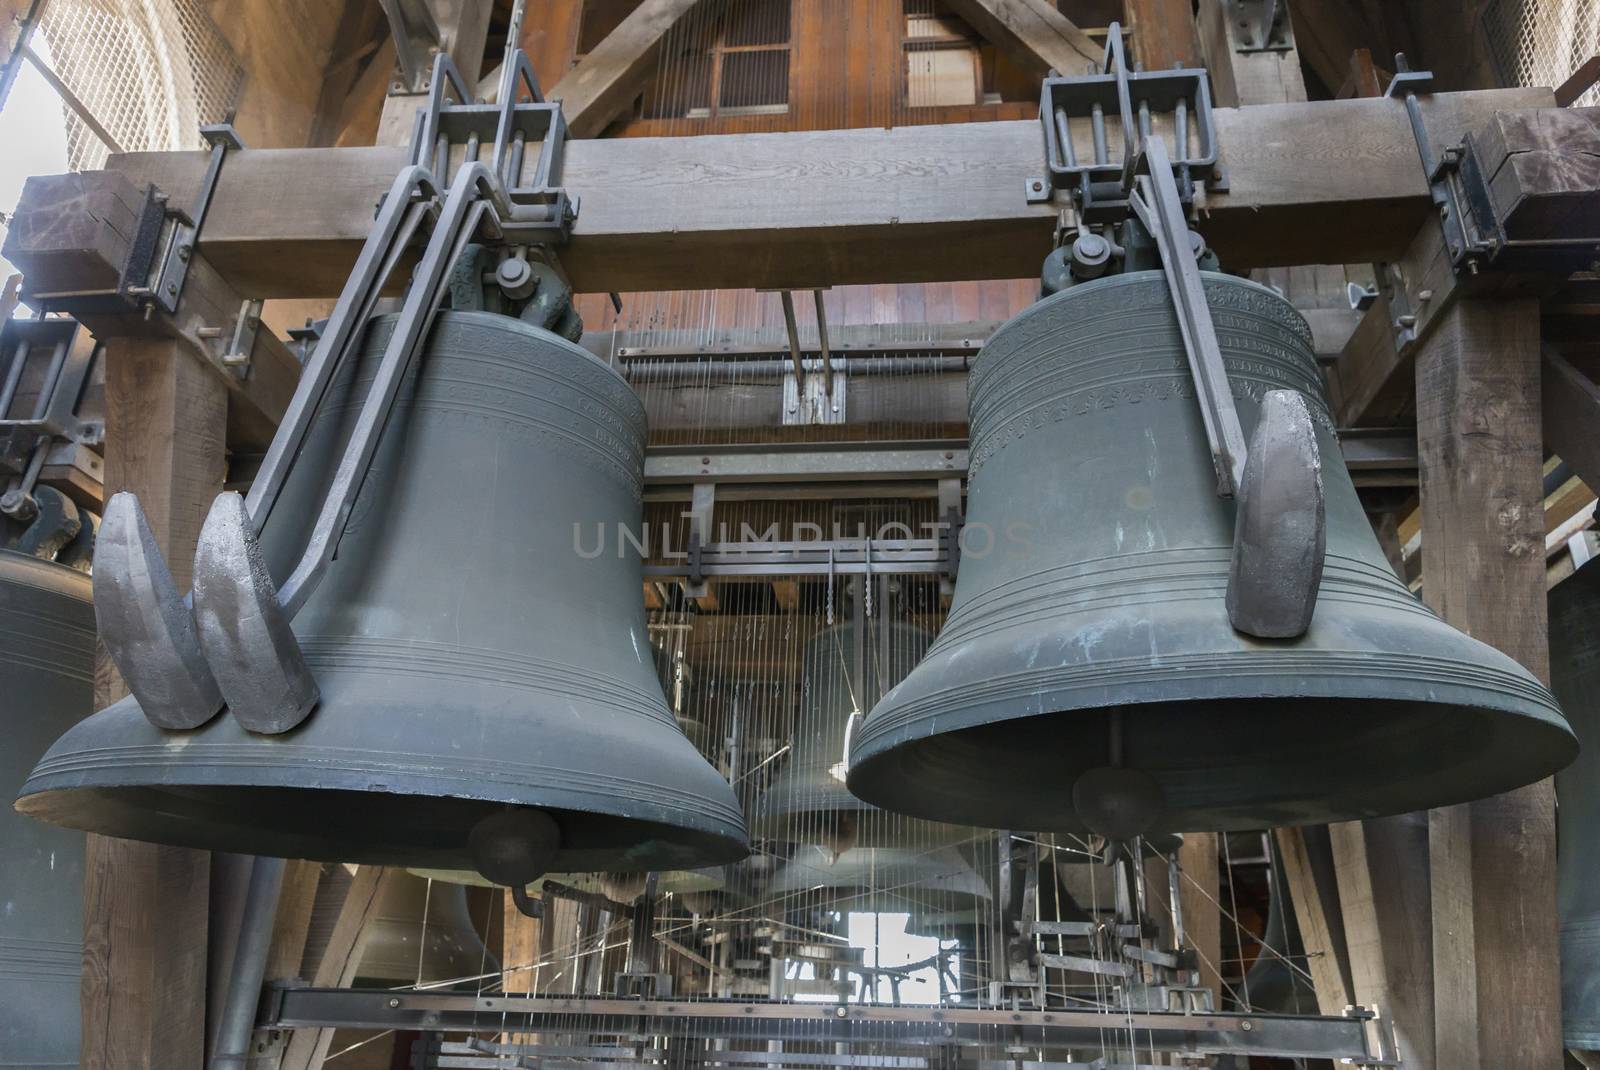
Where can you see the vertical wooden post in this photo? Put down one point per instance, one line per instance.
(1201, 894)
(1383, 891)
(1164, 33)
(145, 906)
(1495, 948)
(1306, 858)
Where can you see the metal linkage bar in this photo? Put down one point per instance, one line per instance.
(1349, 1038)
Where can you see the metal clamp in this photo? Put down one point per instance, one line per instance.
(543, 211)
(1475, 234)
(1100, 187)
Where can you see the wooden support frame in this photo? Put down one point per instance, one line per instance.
(1495, 948)
(606, 80)
(798, 210)
(146, 906)
(1034, 33)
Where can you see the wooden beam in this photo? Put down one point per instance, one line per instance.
(1164, 33)
(1240, 77)
(1034, 33)
(1308, 868)
(1201, 894)
(1571, 406)
(1382, 868)
(1495, 946)
(605, 82)
(79, 239)
(794, 210)
(146, 906)
(308, 1048)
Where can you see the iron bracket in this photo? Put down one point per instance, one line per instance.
(1475, 234)
(1264, 25)
(181, 230)
(1100, 187)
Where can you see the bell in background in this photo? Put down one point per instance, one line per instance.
(846, 667)
(422, 934)
(475, 656)
(1089, 630)
(46, 684)
(1575, 677)
(882, 879)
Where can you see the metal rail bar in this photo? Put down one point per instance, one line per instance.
(1286, 1036)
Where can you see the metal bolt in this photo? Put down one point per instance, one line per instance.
(840, 1012)
(949, 456)
(1425, 296)
(705, 460)
(184, 251)
(1247, 1025)
(394, 1001)
(172, 288)
(1036, 185)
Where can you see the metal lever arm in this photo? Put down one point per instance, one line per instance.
(1164, 219)
(244, 620)
(1279, 535)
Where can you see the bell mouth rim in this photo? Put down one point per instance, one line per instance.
(85, 807)
(1535, 741)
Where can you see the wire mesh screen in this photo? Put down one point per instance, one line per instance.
(1541, 42)
(151, 71)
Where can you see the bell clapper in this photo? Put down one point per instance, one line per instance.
(515, 848)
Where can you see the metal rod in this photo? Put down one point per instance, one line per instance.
(19, 360)
(79, 108)
(249, 965)
(777, 368)
(794, 334)
(8, 73)
(822, 343)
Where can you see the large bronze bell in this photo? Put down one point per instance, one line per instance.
(1575, 678)
(1089, 632)
(844, 669)
(46, 684)
(479, 665)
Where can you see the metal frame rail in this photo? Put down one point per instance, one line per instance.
(1360, 1037)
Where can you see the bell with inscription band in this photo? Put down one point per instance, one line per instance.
(1088, 673)
(845, 668)
(46, 684)
(489, 698)
(1575, 678)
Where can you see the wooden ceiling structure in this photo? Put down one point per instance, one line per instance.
(1325, 181)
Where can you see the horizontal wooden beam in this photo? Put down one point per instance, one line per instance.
(76, 236)
(1327, 181)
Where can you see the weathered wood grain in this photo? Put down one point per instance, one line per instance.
(1495, 946)
(909, 204)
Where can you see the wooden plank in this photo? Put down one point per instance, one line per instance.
(1382, 868)
(795, 210)
(1495, 946)
(1239, 77)
(1318, 913)
(1200, 895)
(145, 905)
(1571, 407)
(1164, 33)
(79, 241)
(1543, 168)
(1033, 33)
(308, 1048)
(604, 82)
